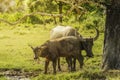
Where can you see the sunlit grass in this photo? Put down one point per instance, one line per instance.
(14, 51)
(3, 78)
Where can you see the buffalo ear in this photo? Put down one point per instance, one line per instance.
(44, 47)
(31, 47)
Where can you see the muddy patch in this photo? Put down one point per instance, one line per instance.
(18, 74)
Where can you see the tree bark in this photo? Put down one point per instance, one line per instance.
(60, 11)
(111, 51)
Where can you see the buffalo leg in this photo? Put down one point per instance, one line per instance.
(74, 64)
(69, 62)
(80, 60)
(46, 66)
(54, 66)
(59, 68)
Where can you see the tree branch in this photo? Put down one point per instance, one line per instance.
(24, 17)
(67, 2)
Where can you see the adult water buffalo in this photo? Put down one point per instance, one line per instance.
(62, 31)
(61, 47)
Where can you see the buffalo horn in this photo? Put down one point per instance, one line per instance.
(97, 34)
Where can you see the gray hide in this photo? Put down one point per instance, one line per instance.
(61, 31)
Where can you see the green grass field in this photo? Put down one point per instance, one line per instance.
(16, 55)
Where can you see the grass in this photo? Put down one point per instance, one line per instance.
(2, 78)
(16, 54)
(14, 51)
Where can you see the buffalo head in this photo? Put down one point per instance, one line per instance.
(41, 51)
(87, 44)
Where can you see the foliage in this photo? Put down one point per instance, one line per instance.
(42, 6)
(11, 17)
(89, 12)
(7, 5)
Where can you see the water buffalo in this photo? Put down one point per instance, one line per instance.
(61, 47)
(62, 31)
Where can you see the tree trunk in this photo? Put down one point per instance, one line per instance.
(111, 51)
(60, 11)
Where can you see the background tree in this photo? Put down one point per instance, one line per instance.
(80, 12)
(111, 52)
(7, 5)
